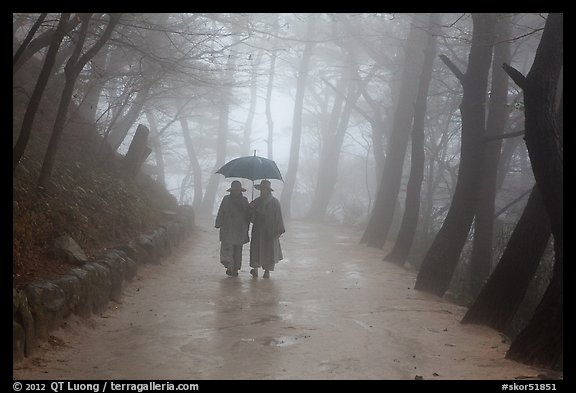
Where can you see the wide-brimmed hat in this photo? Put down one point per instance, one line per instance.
(236, 185)
(264, 184)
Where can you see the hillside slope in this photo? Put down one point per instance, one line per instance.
(88, 198)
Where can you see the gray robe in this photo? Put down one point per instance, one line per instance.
(233, 220)
(268, 225)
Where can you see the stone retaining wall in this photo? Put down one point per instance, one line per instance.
(42, 306)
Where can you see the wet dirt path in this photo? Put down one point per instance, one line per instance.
(331, 310)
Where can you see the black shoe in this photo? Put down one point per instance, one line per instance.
(254, 273)
(229, 272)
(266, 274)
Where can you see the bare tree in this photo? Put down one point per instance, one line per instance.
(385, 203)
(290, 178)
(407, 231)
(541, 342)
(36, 97)
(73, 67)
(442, 257)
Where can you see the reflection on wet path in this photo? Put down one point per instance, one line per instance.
(331, 310)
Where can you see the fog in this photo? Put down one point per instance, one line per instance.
(410, 127)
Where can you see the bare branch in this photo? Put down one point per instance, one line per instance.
(515, 75)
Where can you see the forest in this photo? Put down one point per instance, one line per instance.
(439, 135)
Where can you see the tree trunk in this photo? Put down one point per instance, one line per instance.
(382, 215)
(481, 258)
(328, 168)
(269, 89)
(137, 152)
(27, 40)
(541, 342)
(42, 41)
(401, 249)
(194, 165)
(73, 68)
(442, 257)
(245, 150)
(156, 146)
(32, 108)
(212, 187)
(290, 178)
(118, 133)
(500, 298)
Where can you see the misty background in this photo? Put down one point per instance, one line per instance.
(403, 125)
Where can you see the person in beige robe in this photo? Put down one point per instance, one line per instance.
(267, 226)
(233, 220)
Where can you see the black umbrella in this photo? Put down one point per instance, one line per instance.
(251, 167)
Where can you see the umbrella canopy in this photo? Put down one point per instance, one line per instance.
(251, 167)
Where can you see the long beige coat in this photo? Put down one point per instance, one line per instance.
(268, 225)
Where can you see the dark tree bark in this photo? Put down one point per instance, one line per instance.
(541, 342)
(73, 68)
(39, 88)
(27, 40)
(481, 258)
(500, 298)
(290, 178)
(382, 214)
(442, 257)
(42, 41)
(401, 249)
(137, 152)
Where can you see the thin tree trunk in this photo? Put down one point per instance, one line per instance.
(500, 298)
(290, 178)
(481, 258)
(269, 89)
(401, 249)
(328, 165)
(32, 108)
(42, 41)
(542, 342)
(154, 140)
(442, 257)
(27, 40)
(224, 113)
(194, 165)
(245, 150)
(73, 68)
(382, 215)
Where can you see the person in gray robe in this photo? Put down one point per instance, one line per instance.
(233, 220)
(267, 226)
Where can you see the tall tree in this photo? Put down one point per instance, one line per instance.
(223, 120)
(34, 103)
(27, 40)
(43, 40)
(481, 258)
(407, 231)
(194, 165)
(542, 341)
(73, 68)
(500, 298)
(290, 178)
(270, 88)
(385, 203)
(442, 257)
